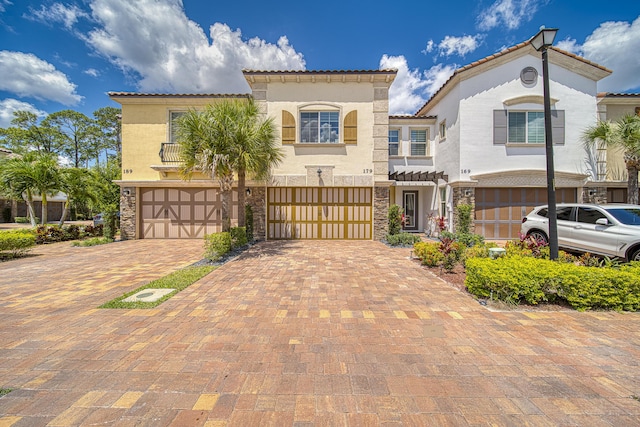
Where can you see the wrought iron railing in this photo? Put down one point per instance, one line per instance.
(169, 152)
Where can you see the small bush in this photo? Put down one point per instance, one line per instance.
(248, 216)
(24, 220)
(463, 215)
(14, 243)
(110, 224)
(49, 234)
(238, 237)
(92, 241)
(402, 239)
(395, 219)
(217, 245)
(92, 231)
(71, 232)
(429, 253)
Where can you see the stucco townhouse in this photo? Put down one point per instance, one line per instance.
(478, 140)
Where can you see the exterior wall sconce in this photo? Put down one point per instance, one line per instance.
(319, 171)
(467, 193)
(126, 192)
(248, 191)
(592, 193)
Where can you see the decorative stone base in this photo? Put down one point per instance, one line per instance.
(595, 195)
(380, 213)
(128, 213)
(258, 202)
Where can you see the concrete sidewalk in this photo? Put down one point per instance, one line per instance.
(296, 333)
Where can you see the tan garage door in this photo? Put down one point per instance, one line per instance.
(320, 213)
(499, 211)
(181, 213)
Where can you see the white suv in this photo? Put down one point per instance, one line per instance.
(610, 230)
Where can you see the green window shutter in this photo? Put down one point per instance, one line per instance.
(557, 126)
(351, 128)
(288, 128)
(499, 127)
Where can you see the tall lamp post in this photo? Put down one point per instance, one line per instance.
(541, 42)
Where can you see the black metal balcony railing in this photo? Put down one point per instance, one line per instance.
(169, 152)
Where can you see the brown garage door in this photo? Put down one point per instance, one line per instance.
(499, 211)
(181, 213)
(320, 213)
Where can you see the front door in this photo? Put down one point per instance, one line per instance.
(410, 205)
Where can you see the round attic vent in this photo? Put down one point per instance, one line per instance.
(529, 76)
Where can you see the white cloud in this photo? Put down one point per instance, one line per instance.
(461, 46)
(92, 72)
(615, 45)
(4, 4)
(57, 13)
(411, 88)
(508, 13)
(9, 105)
(27, 75)
(568, 44)
(155, 41)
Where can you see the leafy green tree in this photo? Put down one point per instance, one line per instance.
(625, 134)
(108, 193)
(27, 134)
(76, 131)
(109, 121)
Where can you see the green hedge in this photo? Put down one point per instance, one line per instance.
(16, 242)
(516, 279)
(402, 239)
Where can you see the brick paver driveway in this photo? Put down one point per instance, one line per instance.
(297, 333)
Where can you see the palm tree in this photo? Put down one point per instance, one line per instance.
(625, 134)
(254, 150)
(34, 173)
(230, 136)
(204, 147)
(78, 184)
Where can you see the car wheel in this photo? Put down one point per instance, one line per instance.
(539, 236)
(635, 255)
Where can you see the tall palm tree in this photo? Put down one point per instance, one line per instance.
(254, 150)
(204, 147)
(625, 134)
(227, 137)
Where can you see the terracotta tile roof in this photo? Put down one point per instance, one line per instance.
(411, 116)
(618, 95)
(502, 53)
(181, 95)
(383, 71)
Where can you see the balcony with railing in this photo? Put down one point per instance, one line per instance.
(169, 153)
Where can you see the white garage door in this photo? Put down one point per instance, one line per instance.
(181, 213)
(320, 213)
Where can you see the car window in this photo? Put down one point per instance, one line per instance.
(629, 216)
(565, 213)
(589, 215)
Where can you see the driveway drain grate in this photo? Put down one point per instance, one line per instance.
(148, 295)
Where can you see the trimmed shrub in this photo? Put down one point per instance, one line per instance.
(217, 245)
(238, 237)
(24, 220)
(429, 253)
(110, 224)
(15, 243)
(395, 219)
(402, 239)
(71, 232)
(463, 215)
(92, 231)
(248, 219)
(515, 279)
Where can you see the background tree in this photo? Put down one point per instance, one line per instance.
(108, 193)
(27, 134)
(109, 121)
(35, 173)
(75, 129)
(624, 133)
(80, 186)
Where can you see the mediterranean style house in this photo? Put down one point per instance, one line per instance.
(479, 140)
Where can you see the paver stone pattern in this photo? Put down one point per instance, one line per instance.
(296, 333)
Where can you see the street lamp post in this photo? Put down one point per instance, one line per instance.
(541, 42)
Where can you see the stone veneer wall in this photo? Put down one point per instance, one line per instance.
(128, 213)
(380, 213)
(598, 196)
(258, 202)
(460, 198)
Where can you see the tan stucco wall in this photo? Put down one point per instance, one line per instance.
(612, 109)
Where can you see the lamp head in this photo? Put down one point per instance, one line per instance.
(544, 38)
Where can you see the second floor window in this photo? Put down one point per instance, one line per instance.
(319, 126)
(418, 142)
(173, 116)
(526, 127)
(394, 140)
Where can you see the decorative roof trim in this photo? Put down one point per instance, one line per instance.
(456, 76)
(178, 95)
(318, 72)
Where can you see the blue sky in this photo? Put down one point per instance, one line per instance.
(58, 54)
